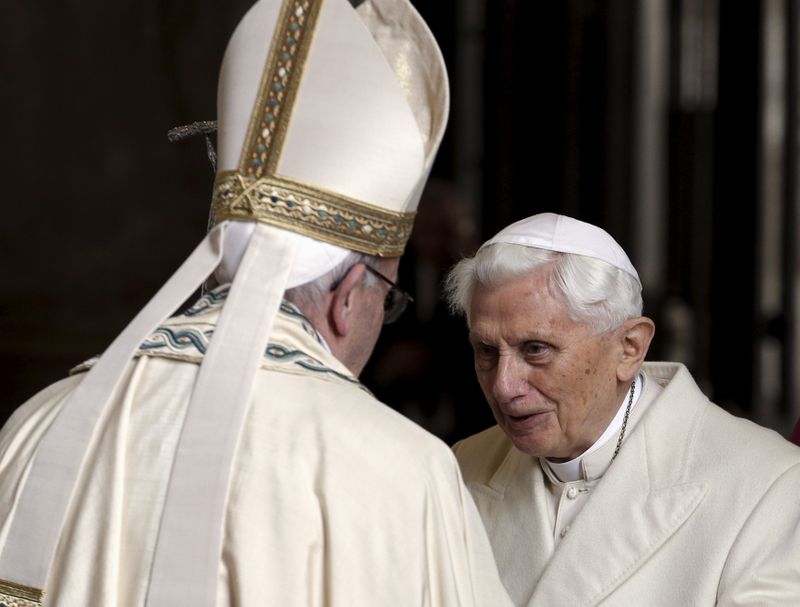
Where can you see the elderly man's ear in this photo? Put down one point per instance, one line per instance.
(635, 337)
(343, 310)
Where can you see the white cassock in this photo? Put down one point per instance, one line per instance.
(335, 499)
(698, 508)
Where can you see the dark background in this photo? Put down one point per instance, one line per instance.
(671, 123)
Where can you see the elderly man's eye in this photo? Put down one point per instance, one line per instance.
(485, 351)
(485, 357)
(535, 348)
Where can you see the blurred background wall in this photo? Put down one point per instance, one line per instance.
(671, 123)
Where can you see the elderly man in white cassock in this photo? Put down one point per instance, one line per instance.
(609, 480)
(229, 455)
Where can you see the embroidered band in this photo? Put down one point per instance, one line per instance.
(17, 595)
(278, 87)
(349, 223)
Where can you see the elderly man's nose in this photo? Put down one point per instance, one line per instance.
(508, 380)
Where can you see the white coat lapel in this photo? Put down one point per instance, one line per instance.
(509, 505)
(626, 520)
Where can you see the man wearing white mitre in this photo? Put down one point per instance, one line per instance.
(608, 480)
(229, 455)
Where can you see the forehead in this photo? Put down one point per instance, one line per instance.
(525, 306)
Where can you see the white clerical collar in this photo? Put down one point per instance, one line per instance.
(571, 470)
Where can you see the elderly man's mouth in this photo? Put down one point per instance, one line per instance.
(525, 421)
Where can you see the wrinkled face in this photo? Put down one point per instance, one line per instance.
(551, 384)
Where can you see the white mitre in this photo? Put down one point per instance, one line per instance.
(334, 143)
(329, 120)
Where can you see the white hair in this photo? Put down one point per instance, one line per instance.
(308, 295)
(594, 291)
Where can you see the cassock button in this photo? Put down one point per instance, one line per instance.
(572, 493)
(564, 531)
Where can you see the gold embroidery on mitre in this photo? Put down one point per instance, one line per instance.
(256, 193)
(18, 595)
(278, 88)
(312, 212)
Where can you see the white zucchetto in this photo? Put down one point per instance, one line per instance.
(564, 234)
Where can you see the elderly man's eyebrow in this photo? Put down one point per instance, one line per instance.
(518, 341)
(475, 337)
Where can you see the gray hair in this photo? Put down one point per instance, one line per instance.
(594, 291)
(308, 295)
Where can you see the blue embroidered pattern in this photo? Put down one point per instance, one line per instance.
(192, 342)
(210, 300)
(280, 353)
(166, 337)
(289, 310)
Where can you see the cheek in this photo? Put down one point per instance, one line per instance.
(485, 380)
(549, 382)
(592, 388)
(496, 413)
(569, 387)
(582, 370)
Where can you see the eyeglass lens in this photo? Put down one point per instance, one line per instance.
(396, 300)
(394, 304)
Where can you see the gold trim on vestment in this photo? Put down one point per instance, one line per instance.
(313, 212)
(19, 595)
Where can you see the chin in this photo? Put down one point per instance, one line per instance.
(529, 446)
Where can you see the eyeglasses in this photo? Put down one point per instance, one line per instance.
(396, 300)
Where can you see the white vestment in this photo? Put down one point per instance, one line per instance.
(698, 508)
(335, 499)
